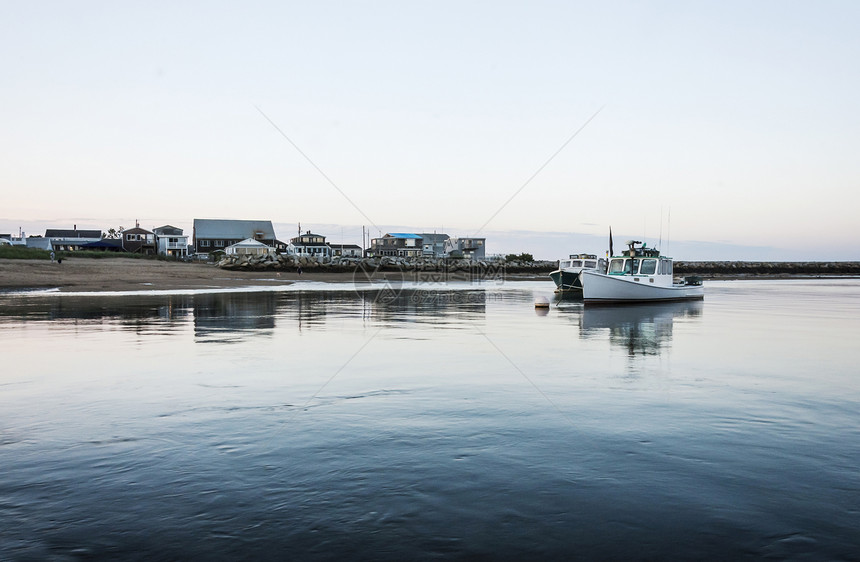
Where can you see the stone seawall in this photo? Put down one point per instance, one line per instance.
(338, 264)
(753, 268)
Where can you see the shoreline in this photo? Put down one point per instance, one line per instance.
(127, 274)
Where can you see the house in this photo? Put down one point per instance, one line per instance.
(309, 244)
(138, 240)
(248, 247)
(346, 250)
(210, 235)
(470, 248)
(170, 241)
(40, 243)
(433, 244)
(400, 244)
(12, 240)
(71, 240)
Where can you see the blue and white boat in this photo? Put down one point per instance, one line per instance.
(639, 274)
(566, 277)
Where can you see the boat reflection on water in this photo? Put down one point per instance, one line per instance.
(643, 329)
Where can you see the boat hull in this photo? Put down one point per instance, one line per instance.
(566, 281)
(599, 288)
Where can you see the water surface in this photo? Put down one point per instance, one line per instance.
(429, 422)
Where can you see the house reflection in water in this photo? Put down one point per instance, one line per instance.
(145, 314)
(640, 329)
(225, 317)
(437, 306)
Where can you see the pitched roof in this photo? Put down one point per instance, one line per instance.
(229, 229)
(248, 243)
(68, 233)
(401, 235)
(429, 238)
(167, 230)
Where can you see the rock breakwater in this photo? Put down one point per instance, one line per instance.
(770, 268)
(385, 263)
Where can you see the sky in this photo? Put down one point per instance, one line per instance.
(717, 130)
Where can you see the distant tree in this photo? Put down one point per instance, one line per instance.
(114, 233)
(523, 257)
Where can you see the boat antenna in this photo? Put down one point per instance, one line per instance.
(611, 253)
(660, 243)
(668, 226)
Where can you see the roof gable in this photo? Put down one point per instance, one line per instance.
(248, 243)
(70, 233)
(168, 230)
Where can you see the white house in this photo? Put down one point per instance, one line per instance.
(40, 243)
(248, 247)
(170, 241)
(309, 244)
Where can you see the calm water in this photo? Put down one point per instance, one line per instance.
(456, 423)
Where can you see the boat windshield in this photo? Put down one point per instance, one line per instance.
(648, 267)
(576, 263)
(564, 264)
(616, 266)
(590, 264)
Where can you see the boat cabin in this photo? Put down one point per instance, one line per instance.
(639, 261)
(588, 261)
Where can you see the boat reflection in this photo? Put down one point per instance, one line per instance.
(644, 329)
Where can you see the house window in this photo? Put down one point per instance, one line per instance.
(219, 243)
(204, 243)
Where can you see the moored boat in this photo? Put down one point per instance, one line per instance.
(566, 277)
(640, 274)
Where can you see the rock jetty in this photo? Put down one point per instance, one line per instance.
(767, 268)
(385, 263)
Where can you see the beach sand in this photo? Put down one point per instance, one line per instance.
(126, 274)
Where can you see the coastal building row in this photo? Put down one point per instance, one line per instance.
(247, 237)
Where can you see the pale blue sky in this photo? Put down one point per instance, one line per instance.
(740, 117)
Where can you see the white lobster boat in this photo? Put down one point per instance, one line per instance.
(566, 277)
(640, 274)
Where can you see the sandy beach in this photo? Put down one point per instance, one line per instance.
(123, 274)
